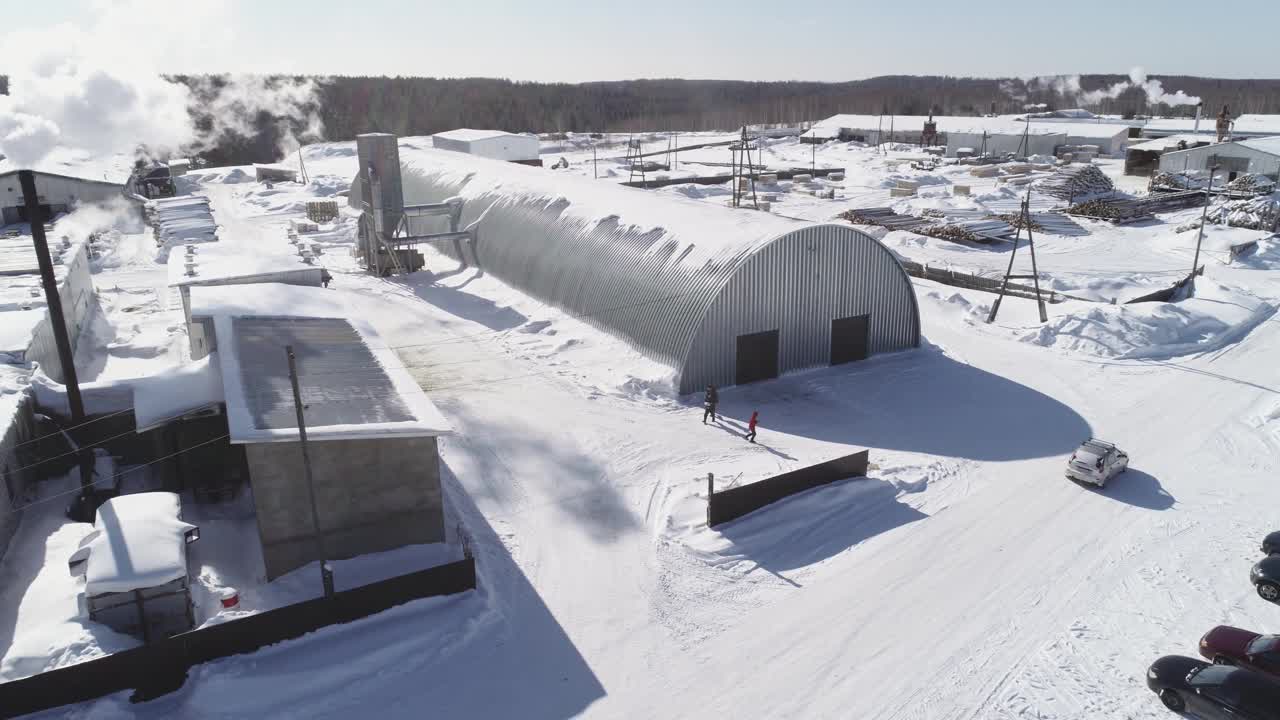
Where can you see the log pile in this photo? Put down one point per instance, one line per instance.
(1076, 181)
(1256, 214)
(1177, 181)
(882, 217)
(1110, 210)
(1251, 185)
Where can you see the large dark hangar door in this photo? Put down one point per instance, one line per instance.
(757, 357)
(849, 339)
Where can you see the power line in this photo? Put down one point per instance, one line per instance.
(122, 473)
(76, 450)
(73, 427)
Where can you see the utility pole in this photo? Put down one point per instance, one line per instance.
(53, 302)
(1204, 216)
(1025, 222)
(326, 575)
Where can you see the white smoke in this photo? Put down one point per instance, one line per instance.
(1153, 89)
(1068, 86)
(98, 86)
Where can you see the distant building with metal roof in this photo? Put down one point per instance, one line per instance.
(1259, 156)
(722, 296)
(492, 144)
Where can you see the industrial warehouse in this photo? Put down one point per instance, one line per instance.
(684, 284)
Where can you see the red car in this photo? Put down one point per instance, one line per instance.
(1225, 645)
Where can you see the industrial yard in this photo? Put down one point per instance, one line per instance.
(576, 463)
(470, 381)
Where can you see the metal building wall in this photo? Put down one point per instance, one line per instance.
(1203, 157)
(797, 285)
(631, 281)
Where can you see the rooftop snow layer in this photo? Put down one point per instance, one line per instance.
(138, 542)
(469, 135)
(215, 262)
(70, 162)
(176, 391)
(1269, 145)
(1170, 142)
(353, 385)
(946, 124)
(705, 234)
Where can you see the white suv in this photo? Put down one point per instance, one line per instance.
(1096, 461)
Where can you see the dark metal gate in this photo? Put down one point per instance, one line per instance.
(849, 340)
(757, 357)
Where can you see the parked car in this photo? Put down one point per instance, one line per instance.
(1096, 461)
(1266, 578)
(1226, 645)
(1213, 692)
(1271, 544)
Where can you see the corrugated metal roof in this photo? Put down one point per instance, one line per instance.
(650, 267)
(339, 379)
(352, 384)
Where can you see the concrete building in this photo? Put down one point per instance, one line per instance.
(492, 144)
(371, 429)
(722, 296)
(57, 193)
(1260, 157)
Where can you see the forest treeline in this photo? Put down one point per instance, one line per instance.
(423, 105)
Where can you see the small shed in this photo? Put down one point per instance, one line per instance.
(371, 429)
(134, 565)
(492, 144)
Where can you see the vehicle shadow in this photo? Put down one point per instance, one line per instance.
(919, 401)
(817, 524)
(1139, 489)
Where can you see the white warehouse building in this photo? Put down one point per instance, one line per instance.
(492, 144)
(1001, 134)
(57, 194)
(1260, 157)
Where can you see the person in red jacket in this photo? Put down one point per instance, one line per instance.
(751, 426)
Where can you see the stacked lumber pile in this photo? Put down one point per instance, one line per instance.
(1076, 181)
(1256, 214)
(1166, 202)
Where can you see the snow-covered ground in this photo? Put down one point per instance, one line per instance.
(965, 579)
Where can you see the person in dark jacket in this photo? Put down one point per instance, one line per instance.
(751, 426)
(709, 404)
(325, 277)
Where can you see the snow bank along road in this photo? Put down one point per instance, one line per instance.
(966, 579)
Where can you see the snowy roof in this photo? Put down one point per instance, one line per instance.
(81, 165)
(1170, 142)
(469, 135)
(217, 263)
(946, 124)
(1243, 125)
(1269, 145)
(352, 384)
(138, 542)
(17, 328)
(176, 391)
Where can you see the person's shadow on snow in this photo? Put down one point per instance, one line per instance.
(738, 429)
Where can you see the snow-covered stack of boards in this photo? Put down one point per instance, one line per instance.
(1251, 184)
(180, 220)
(1076, 182)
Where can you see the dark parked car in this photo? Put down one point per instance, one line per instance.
(1266, 578)
(1271, 544)
(1213, 692)
(1226, 645)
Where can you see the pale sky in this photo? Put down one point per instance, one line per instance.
(576, 40)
